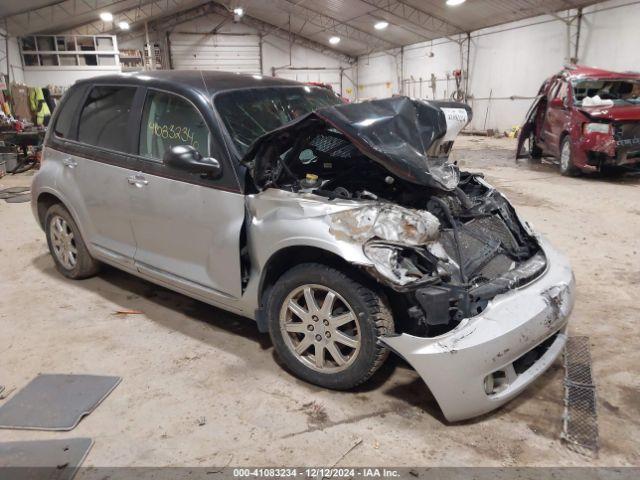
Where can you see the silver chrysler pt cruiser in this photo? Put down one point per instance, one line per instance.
(342, 229)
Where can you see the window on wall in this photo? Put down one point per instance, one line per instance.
(168, 121)
(105, 116)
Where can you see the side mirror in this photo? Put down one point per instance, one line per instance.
(556, 103)
(187, 158)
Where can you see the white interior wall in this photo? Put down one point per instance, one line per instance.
(310, 65)
(43, 76)
(611, 36)
(510, 60)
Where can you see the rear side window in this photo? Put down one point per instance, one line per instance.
(67, 113)
(105, 116)
(168, 121)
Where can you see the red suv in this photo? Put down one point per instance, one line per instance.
(589, 119)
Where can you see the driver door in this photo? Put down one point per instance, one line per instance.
(187, 227)
(556, 117)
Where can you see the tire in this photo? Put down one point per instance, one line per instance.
(534, 151)
(358, 315)
(567, 167)
(66, 246)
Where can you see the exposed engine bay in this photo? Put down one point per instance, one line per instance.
(442, 242)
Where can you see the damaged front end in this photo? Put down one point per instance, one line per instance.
(372, 182)
(443, 242)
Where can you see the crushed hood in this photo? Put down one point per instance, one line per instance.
(616, 113)
(409, 138)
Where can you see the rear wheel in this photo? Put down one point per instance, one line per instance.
(567, 166)
(67, 248)
(325, 326)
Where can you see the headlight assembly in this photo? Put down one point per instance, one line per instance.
(400, 265)
(391, 223)
(597, 128)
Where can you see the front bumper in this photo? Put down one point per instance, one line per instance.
(454, 366)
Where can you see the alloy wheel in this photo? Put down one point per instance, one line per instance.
(320, 328)
(565, 157)
(63, 242)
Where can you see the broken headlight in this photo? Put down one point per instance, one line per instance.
(386, 222)
(398, 264)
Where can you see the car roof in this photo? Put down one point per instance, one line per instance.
(207, 82)
(581, 71)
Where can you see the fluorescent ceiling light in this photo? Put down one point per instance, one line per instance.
(106, 17)
(239, 11)
(453, 3)
(381, 25)
(334, 40)
(123, 25)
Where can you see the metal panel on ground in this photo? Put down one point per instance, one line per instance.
(230, 53)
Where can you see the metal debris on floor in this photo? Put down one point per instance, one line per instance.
(67, 398)
(19, 198)
(580, 420)
(15, 194)
(43, 459)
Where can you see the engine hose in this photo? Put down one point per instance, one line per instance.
(454, 226)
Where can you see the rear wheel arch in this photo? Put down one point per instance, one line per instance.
(45, 201)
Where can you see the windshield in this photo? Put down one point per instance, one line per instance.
(249, 114)
(612, 91)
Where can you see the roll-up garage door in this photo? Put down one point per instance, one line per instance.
(231, 53)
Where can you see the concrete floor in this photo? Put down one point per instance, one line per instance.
(184, 362)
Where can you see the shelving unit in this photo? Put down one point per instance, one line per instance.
(69, 51)
(156, 52)
(131, 60)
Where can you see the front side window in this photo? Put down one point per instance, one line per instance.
(168, 121)
(105, 117)
(249, 114)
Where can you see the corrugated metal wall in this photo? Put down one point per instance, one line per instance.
(231, 53)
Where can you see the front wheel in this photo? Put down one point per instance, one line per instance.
(567, 166)
(533, 150)
(325, 326)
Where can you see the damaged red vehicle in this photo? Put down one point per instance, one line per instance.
(588, 119)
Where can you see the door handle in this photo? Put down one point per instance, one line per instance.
(69, 162)
(137, 180)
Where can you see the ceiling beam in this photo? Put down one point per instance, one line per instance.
(436, 26)
(61, 15)
(145, 11)
(333, 25)
(167, 23)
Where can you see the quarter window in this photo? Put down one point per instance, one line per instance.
(168, 121)
(105, 117)
(67, 113)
